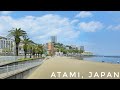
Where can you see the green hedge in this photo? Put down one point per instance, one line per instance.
(26, 59)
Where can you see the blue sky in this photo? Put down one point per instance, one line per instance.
(98, 31)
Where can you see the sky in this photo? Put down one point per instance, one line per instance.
(97, 31)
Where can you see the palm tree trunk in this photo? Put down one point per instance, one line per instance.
(41, 55)
(30, 52)
(30, 55)
(25, 54)
(33, 55)
(17, 49)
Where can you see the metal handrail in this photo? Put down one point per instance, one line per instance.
(24, 66)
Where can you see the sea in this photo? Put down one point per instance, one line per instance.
(103, 59)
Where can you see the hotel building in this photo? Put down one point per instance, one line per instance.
(82, 48)
(6, 45)
(54, 39)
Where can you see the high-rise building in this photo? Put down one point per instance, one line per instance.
(82, 48)
(54, 39)
(73, 46)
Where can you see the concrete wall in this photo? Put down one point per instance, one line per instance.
(23, 75)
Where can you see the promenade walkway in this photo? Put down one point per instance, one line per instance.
(51, 67)
(10, 70)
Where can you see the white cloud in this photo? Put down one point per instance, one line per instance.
(113, 27)
(41, 28)
(84, 14)
(5, 12)
(110, 27)
(74, 21)
(90, 26)
(113, 11)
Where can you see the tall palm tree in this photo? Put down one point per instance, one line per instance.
(39, 49)
(30, 47)
(26, 43)
(34, 50)
(17, 33)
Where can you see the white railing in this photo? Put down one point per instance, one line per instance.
(9, 58)
(13, 69)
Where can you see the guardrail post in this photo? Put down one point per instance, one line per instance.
(14, 68)
(23, 66)
(7, 69)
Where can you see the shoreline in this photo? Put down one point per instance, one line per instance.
(93, 60)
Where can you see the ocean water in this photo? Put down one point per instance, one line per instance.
(115, 60)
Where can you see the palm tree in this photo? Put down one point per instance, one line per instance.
(33, 49)
(30, 47)
(17, 33)
(26, 44)
(40, 49)
(37, 49)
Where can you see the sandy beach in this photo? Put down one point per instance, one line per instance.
(70, 68)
